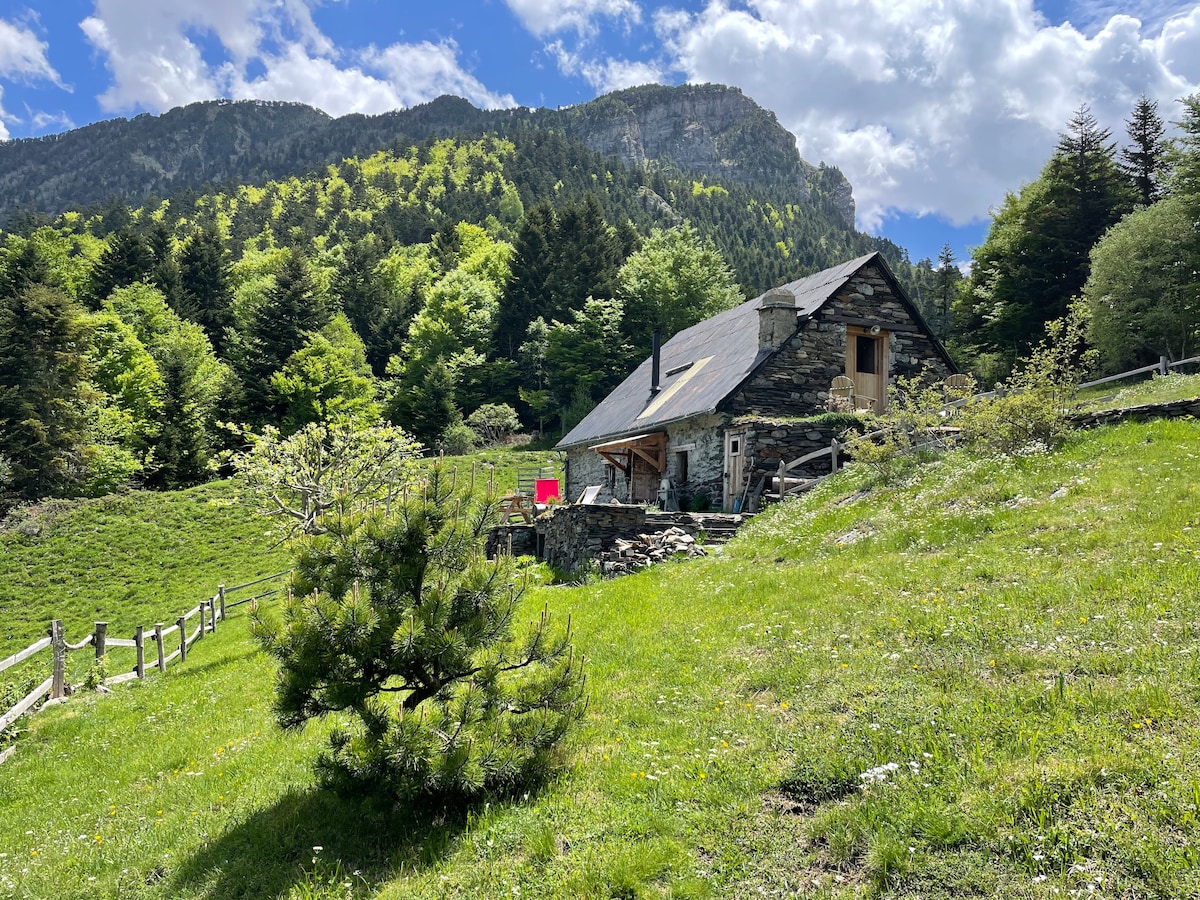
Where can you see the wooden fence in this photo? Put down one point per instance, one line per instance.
(788, 485)
(157, 638)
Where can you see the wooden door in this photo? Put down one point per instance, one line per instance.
(643, 481)
(867, 365)
(734, 456)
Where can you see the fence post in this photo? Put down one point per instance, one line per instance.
(182, 623)
(221, 599)
(162, 656)
(139, 635)
(834, 447)
(1162, 365)
(212, 615)
(200, 633)
(782, 487)
(101, 639)
(58, 646)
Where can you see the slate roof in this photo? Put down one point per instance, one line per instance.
(722, 352)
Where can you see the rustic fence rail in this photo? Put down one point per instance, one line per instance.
(209, 612)
(787, 484)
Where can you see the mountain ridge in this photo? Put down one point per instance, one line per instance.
(711, 131)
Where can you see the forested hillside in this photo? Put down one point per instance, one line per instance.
(457, 286)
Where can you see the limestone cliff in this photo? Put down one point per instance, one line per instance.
(707, 130)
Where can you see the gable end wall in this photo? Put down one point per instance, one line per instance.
(796, 380)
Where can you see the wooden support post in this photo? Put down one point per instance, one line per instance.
(221, 599)
(834, 447)
(200, 633)
(162, 656)
(182, 623)
(1162, 365)
(58, 646)
(101, 639)
(212, 615)
(139, 638)
(780, 486)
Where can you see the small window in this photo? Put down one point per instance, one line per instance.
(735, 446)
(681, 467)
(864, 355)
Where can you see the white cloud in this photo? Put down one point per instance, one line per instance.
(423, 71)
(23, 54)
(607, 75)
(22, 57)
(161, 55)
(543, 17)
(931, 106)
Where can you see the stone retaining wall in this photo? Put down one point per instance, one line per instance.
(1172, 409)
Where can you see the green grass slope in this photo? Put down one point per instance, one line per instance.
(978, 683)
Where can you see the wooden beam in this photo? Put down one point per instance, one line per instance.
(658, 460)
(616, 460)
(870, 323)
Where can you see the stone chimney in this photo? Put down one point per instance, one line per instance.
(776, 318)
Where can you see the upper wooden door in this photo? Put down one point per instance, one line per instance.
(867, 366)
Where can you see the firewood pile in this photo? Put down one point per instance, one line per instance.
(629, 555)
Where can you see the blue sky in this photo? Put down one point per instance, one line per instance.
(932, 108)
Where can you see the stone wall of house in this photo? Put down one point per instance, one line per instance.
(795, 382)
(768, 441)
(701, 438)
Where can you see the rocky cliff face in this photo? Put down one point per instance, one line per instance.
(708, 130)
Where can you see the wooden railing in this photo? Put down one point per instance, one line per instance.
(788, 486)
(1162, 367)
(209, 612)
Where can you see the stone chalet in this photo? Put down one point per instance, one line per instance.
(703, 415)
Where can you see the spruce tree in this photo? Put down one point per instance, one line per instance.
(126, 260)
(1145, 159)
(43, 372)
(278, 327)
(524, 296)
(205, 289)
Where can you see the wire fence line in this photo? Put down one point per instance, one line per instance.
(155, 638)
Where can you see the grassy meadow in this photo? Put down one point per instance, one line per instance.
(980, 680)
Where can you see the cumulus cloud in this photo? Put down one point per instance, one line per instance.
(423, 71)
(931, 106)
(22, 57)
(544, 17)
(605, 75)
(162, 55)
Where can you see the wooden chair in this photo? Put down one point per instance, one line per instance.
(841, 390)
(841, 393)
(956, 383)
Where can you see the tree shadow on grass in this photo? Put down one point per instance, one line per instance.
(360, 841)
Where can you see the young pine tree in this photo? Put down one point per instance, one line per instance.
(398, 619)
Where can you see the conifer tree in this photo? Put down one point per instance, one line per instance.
(1145, 159)
(43, 371)
(397, 618)
(126, 260)
(206, 294)
(278, 327)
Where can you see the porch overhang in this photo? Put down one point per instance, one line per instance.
(652, 447)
